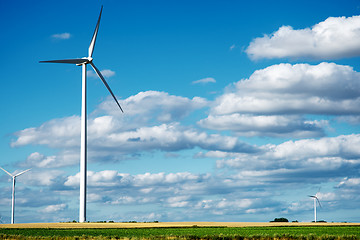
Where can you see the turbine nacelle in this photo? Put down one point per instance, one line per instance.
(315, 199)
(88, 60)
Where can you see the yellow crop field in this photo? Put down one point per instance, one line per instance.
(169, 224)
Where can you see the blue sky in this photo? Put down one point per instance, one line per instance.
(234, 110)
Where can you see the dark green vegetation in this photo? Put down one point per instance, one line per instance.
(245, 233)
(280, 220)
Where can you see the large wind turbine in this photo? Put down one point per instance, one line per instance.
(316, 200)
(13, 191)
(83, 150)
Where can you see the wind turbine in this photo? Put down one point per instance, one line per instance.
(83, 149)
(13, 191)
(316, 199)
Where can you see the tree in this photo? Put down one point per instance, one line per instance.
(280, 220)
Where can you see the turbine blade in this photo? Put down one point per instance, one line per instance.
(93, 40)
(22, 172)
(106, 85)
(73, 61)
(7, 172)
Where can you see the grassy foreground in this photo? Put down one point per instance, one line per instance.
(242, 233)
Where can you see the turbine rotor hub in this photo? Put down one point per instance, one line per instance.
(89, 60)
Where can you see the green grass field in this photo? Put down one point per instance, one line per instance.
(259, 233)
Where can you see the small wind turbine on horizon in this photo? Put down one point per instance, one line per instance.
(316, 200)
(83, 151)
(13, 191)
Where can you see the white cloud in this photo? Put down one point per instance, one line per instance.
(249, 190)
(112, 136)
(204, 80)
(61, 36)
(115, 135)
(111, 178)
(269, 125)
(349, 182)
(43, 178)
(303, 159)
(54, 133)
(150, 106)
(102, 178)
(178, 201)
(172, 137)
(324, 40)
(39, 160)
(326, 88)
(107, 73)
(124, 200)
(175, 190)
(273, 101)
(109, 140)
(159, 178)
(54, 208)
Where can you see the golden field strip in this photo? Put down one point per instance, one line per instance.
(170, 224)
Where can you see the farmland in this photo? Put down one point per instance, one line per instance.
(182, 231)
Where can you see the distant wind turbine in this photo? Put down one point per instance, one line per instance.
(316, 200)
(83, 151)
(13, 191)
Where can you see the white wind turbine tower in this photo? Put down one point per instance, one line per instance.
(83, 149)
(13, 191)
(316, 200)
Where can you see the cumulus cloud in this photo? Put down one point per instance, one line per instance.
(173, 137)
(324, 40)
(109, 141)
(54, 133)
(297, 160)
(204, 80)
(111, 135)
(39, 160)
(173, 190)
(249, 190)
(54, 208)
(62, 158)
(61, 36)
(269, 125)
(103, 178)
(326, 88)
(145, 182)
(44, 178)
(273, 101)
(349, 183)
(149, 124)
(107, 73)
(157, 106)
